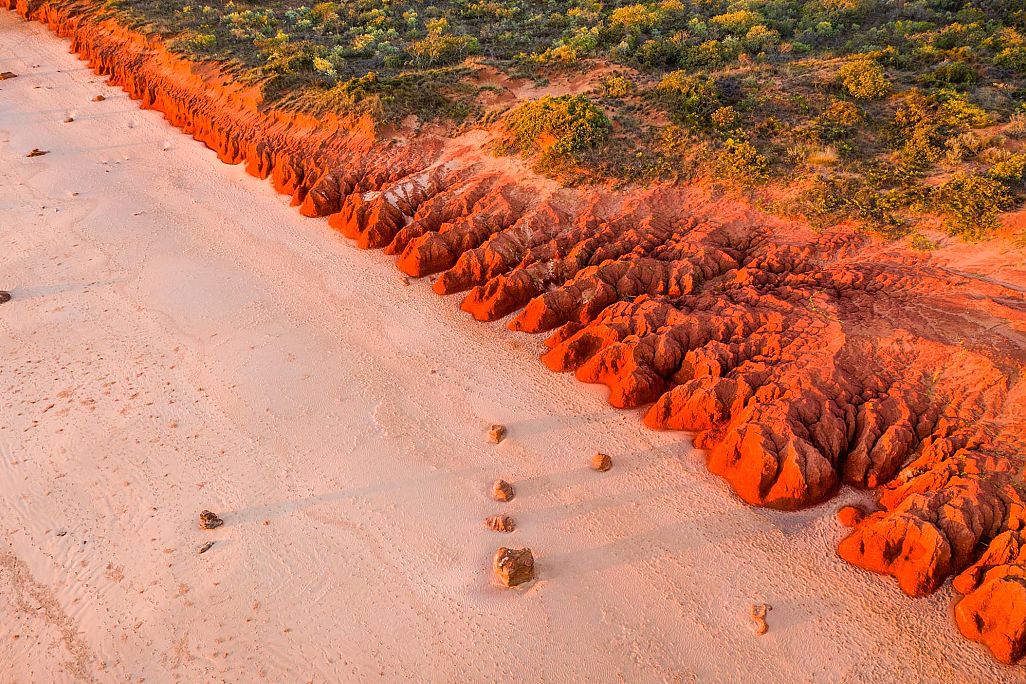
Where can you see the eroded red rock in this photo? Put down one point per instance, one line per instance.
(993, 611)
(850, 516)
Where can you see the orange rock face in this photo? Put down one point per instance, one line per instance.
(799, 360)
(850, 516)
(995, 597)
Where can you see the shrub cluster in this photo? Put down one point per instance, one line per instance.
(559, 128)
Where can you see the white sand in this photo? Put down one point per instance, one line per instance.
(179, 339)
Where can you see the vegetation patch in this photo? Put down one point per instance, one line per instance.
(872, 98)
(556, 128)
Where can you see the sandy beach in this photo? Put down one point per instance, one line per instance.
(179, 340)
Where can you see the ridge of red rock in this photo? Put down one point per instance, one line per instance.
(801, 360)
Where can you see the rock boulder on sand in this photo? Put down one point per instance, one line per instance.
(209, 520)
(513, 566)
(500, 523)
(502, 490)
(601, 462)
(496, 433)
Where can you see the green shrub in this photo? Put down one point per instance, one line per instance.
(1013, 58)
(738, 22)
(741, 163)
(952, 73)
(725, 118)
(287, 57)
(635, 18)
(924, 128)
(973, 203)
(440, 46)
(618, 86)
(556, 126)
(837, 120)
(1010, 171)
(864, 79)
(960, 113)
(689, 100)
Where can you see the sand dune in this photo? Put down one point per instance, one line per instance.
(180, 340)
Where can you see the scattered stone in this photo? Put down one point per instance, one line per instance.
(513, 566)
(7, 74)
(850, 516)
(205, 547)
(601, 462)
(500, 523)
(99, 98)
(36, 152)
(209, 521)
(61, 532)
(502, 490)
(404, 280)
(5, 296)
(496, 433)
(758, 613)
(69, 119)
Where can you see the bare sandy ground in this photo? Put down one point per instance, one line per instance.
(179, 339)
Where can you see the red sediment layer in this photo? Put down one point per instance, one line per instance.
(800, 360)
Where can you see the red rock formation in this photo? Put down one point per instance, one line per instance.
(995, 597)
(850, 516)
(799, 360)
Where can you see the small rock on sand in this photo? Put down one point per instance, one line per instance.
(5, 296)
(99, 98)
(758, 613)
(205, 547)
(496, 433)
(7, 74)
(601, 462)
(850, 516)
(36, 152)
(69, 119)
(500, 523)
(209, 521)
(502, 490)
(513, 566)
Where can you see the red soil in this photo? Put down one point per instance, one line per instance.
(800, 360)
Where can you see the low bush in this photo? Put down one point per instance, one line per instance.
(973, 203)
(556, 127)
(864, 79)
(741, 163)
(688, 100)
